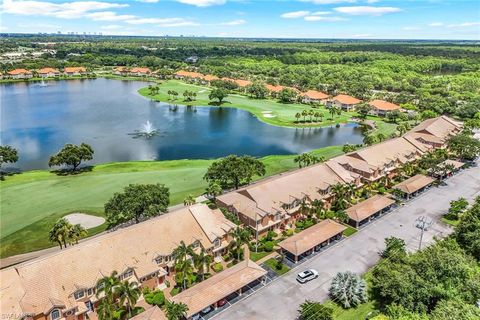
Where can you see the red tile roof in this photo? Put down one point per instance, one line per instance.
(315, 95)
(18, 71)
(75, 69)
(48, 70)
(274, 88)
(346, 99)
(383, 105)
(140, 70)
(188, 74)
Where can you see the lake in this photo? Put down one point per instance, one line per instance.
(38, 120)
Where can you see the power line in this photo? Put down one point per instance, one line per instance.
(422, 223)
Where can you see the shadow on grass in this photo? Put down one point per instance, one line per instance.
(71, 172)
(218, 103)
(9, 172)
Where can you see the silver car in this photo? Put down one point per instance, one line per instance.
(307, 275)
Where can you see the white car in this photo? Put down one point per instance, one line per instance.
(196, 316)
(307, 275)
(206, 310)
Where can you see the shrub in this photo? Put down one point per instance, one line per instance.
(299, 224)
(270, 236)
(308, 223)
(217, 267)
(155, 298)
(268, 246)
(381, 190)
(348, 289)
(288, 233)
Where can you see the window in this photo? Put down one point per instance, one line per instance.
(89, 305)
(79, 294)
(90, 291)
(126, 274)
(55, 314)
(217, 242)
(159, 259)
(196, 244)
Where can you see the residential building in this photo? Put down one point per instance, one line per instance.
(433, 133)
(75, 71)
(381, 107)
(121, 71)
(19, 74)
(206, 79)
(62, 285)
(139, 72)
(313, 96)
(182, 74)
(48, 72)
(345, 102)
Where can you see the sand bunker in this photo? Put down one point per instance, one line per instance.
(85, 220)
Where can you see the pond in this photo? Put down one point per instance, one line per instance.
(39, 119)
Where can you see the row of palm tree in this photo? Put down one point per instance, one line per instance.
(309, 113)
(64, 233)
(189, 95)
(187, 261)
(172, 94)
(153, 90)
(307, 158)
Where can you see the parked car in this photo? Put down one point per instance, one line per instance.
(196, 316)
(206, 310)
(222, 302)
(307, 275)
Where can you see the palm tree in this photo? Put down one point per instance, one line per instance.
(106, 310)
(311, 113)
(76, 232)
(189, 200)
(169, 92)
(316, 115)
(182, 252)
(304, 114)
(107, 285)
(339, 192)
(128, 293)
(298, 115)
(176, 311)
(214, 189)
(240, 236)
(348, 289)
(201, 262)
(184, 271)
(60, 232)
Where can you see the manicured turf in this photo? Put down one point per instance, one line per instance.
(255, 256)
(272, 264)
(350, 230)
(31, 201)
(284, 113)
(452, 223)
(360, 312)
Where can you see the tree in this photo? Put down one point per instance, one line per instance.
(333, 110)
(297, 116)
(312, 310)
(370, 139)
(349, 148)
(213, 189)
(240, 237)
(189, 200)
(76, 232)
(8, 154)
(464, 146)
(135, 202)
(307, 158)
(428, 114)
(201, 262)
(72, 155)
(395, 248)
(287, 95)
(467, 232)
(60, 232)
(176, 311)
(128, 294)
(218, 93)
(392, 116)
(234, 170)
(155, 298)
(257, 90)
(304, 115)
(457, 207)
(348, 289)
(107, 285)
(363, 109)
(455, 309)
(183, 265)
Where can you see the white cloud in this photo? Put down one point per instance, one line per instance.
(64, 10)
(326, 19)
(295, 14)
(436, 24)
(321, 13)
(464, 25)
(234, 22)
(109, 16)
(367, 10)
(203, 3)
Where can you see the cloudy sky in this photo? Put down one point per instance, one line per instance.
(362, 19)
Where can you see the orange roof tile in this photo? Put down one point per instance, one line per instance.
(383, 105)
(18, 71)
(369, 207)
(48, 70)
(316, 95)
(188, 74)
(209, 77)
(75, 69)
(140, 70)
(346, 99)
(274, 88)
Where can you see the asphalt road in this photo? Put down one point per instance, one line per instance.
(358, 253)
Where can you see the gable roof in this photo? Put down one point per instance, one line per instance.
(18, 71)
(48, 70)
(369, 207)
(153, 313)
(384, 105)
(75, 69)
(414, 183)
(274, 88)
(140, 70)
(346, 99)
(316, 95)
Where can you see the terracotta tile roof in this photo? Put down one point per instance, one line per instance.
(140, 70)
(55, 277)
(414, 183)
(311, 237)
(188, 74)
(219, 286)
(74, 69)
(384, 105)
(456, 164)
(153, 313)
(18, 71)
(315, 95)
(346, 99)
(48, 70)
(369, 207)
(440, 127)
(242, 83)
(209, 77)
(121, 69)
(274, 88)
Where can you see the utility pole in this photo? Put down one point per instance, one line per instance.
(422, 223)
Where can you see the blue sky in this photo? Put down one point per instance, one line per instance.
(362, 19)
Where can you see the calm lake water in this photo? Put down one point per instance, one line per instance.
(39, 120)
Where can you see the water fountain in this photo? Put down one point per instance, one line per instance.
(147, 131)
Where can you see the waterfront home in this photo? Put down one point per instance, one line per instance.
(62, 285)
(274, 90)
(314, 96)
(345, 102)
(182, 74)
(434, 133)
(381, 107)
(206, 79)
(48, 72)
(19, 74)
(120, 71)
(75, 71)
(139, 72)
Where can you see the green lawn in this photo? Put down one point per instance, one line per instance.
(255, 256)
(360, 312)
(452, 223)
(350, 230)
(272, 264)
(284, 113)
(31, 201)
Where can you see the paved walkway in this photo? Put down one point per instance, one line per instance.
(358, 253)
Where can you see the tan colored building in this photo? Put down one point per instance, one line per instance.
(414, 185)
(314, 96)
(63, 285)
(369, 209)
(139, 72)
(182, 74)
(19, 74)
(48, 72)
(120, 71)
(381, 107)
(74, 71)
(345, 102)
(434, 133)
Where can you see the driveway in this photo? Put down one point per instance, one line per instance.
(358, 253)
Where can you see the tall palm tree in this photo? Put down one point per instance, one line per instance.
(128, 294)
(107, 285)
(176, 311)
(311, 113)
(184, 271)
(297, 116)
(106, 310)
(182, 252)
(240, 236)
(76, 232)
(60, 232)
(201, 262)
(189, 200)
(183, 265)
(304, 115)
(340, 196)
